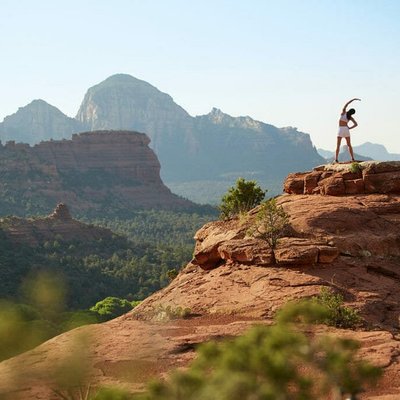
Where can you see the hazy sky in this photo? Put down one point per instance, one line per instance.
(286, 62)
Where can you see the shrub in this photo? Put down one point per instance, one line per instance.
(172, 274)
(355, 167)
(166, 313)
(270, 223)
(111, 307)
(338, 315)
(241, 198)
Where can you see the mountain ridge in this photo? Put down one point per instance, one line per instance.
(193, 151)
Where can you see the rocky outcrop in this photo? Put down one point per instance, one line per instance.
(97, 173)
(347, 179)
(59, 225)
(349, 244)
(61, 212)
(38, 121)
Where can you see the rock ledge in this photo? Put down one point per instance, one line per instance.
(347, 179)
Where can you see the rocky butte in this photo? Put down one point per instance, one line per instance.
(35, 231)
(349, 243)
(95, 173)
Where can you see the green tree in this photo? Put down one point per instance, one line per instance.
(338, 315)
(111, 307)
(270, 223)
(241, 198)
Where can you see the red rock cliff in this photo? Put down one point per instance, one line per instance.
(100, 172)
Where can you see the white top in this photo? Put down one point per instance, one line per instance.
(343, 117)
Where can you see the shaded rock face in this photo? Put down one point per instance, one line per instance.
(340, 180)
(96, 172)
(38, 121)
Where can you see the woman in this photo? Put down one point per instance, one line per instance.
(344, 129)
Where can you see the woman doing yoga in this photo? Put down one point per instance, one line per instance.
(344, 129)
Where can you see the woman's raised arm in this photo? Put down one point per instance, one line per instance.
(350, 101)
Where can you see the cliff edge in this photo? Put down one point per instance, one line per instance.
(349, 243)
(95, 173)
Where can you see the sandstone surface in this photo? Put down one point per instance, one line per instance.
(343, 179)
(350, 244)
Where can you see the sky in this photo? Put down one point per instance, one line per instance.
(287, 62)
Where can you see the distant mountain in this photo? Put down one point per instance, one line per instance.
(364, 152)
(200, 156)
(325, 153)
(38, 121)
(376, 152)
(343, 155)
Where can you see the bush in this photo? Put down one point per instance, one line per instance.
(270, 223)
(111, 307)
(172, 274)
(241, 198)
(338, 315)
(166, 313)
(355, 167)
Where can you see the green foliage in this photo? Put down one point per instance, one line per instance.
(94, 269)
(21, 330)
(271, 362)
(241, 198)
(172, 274)
(111, 307)
(355, 167)
(338, 315)
(270, 223)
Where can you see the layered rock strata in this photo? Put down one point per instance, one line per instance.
(342, 179)
(97, 172)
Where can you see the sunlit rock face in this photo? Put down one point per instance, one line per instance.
(38, 121)
(95, 173)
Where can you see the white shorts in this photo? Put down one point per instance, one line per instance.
(343, 131)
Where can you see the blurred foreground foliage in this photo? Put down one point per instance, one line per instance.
(284, 361)
(279, 362)
(25, 326)
(289, 360)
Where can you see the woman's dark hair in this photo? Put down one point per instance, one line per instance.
(350, 113)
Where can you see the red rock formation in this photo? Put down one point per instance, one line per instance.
(95, 172)
(350, 244)
(59, 225)
(339, 180)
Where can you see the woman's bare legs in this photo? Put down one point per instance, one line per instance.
(339, 140)
(350, 148)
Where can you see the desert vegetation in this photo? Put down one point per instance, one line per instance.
(270, 223)
(241, 198)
